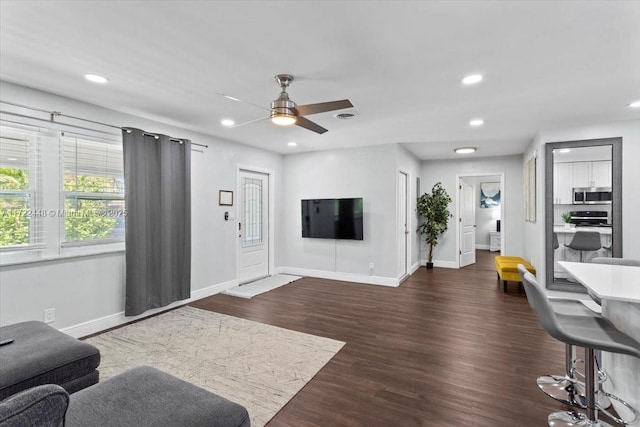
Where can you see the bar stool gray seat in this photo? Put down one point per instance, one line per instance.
(592, 333)
(612, 261)
(585, 241)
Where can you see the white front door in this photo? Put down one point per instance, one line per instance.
(253, 226)
(467, 223)
(403, 232)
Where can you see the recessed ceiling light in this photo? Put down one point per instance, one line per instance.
(292, 144)
(465, 150)
(227, 122)
(476, 122)
(96, 78)
(472, 79)
(635, 104)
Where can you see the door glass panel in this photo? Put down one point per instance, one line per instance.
(252, 211)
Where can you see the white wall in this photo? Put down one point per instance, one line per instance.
(445, 171)
(370, 173)
(630, 133)
(85, 289)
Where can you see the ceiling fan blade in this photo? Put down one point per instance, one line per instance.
(248, 122)
(233, 98)
(305, 110)
(308, 124)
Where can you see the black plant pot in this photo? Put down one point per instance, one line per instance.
(429, 266)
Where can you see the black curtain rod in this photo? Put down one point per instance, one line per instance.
(55, 114)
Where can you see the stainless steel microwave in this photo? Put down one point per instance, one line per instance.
(592, 195)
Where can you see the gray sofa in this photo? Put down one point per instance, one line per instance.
(140, 397)
(40, 355)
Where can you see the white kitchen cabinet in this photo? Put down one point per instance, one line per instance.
(581, 174)
(601, 174)
(592, 174)
(563, 183)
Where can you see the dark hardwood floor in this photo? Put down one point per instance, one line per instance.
(445, 348)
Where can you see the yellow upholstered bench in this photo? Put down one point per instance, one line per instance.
(507, 268)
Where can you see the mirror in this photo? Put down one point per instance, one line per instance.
(583, 205)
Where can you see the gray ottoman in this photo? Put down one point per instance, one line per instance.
(41, 354)
(145, 396)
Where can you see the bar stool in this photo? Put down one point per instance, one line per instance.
(585, 241)
(592, 333)
(567, 389)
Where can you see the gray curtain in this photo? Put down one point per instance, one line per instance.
(157, 175)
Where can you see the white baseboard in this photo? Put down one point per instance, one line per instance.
(332, 275)
(483, 247)
(414, 267)
(117, 319)
(443, 264)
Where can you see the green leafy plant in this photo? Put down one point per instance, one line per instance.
(434, 209)
(566, 217)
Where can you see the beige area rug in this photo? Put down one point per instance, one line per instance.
(259, 366)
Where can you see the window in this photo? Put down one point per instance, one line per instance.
(93, 191)
(20, 190)
(61, 193)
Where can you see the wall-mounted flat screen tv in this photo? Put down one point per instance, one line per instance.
(332, 218)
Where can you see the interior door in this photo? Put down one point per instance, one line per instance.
(253, 226)
(403, 232)
(467, 224)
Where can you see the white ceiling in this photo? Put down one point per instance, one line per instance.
(546, 65)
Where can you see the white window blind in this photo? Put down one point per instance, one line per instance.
(21, 210)
(93, 190)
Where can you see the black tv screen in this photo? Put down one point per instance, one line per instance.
(332, 218)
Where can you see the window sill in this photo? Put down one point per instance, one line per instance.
(65, 257)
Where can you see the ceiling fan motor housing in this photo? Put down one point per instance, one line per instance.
(282, 106)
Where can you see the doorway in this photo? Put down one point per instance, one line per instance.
(254, 231)
(480, 217)
(403, 230)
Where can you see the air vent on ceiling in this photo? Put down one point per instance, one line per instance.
(348, 115)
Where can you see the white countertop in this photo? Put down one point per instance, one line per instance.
(613, 282)
(572, 230)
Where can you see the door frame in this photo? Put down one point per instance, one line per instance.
(502, 209)
(270, 216)
(408, 236)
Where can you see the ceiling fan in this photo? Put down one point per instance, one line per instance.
(285, 112)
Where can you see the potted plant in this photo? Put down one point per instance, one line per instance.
(434, 209)
(566, 218)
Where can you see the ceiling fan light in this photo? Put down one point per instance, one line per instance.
(283, 119)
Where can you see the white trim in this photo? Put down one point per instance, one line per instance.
(483, 247)
(117, 319)
(415, 267)
(346, 277)
(407, 208)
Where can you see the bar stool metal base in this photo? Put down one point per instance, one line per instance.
(562, 389)
(569, 391)
(573, 419)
